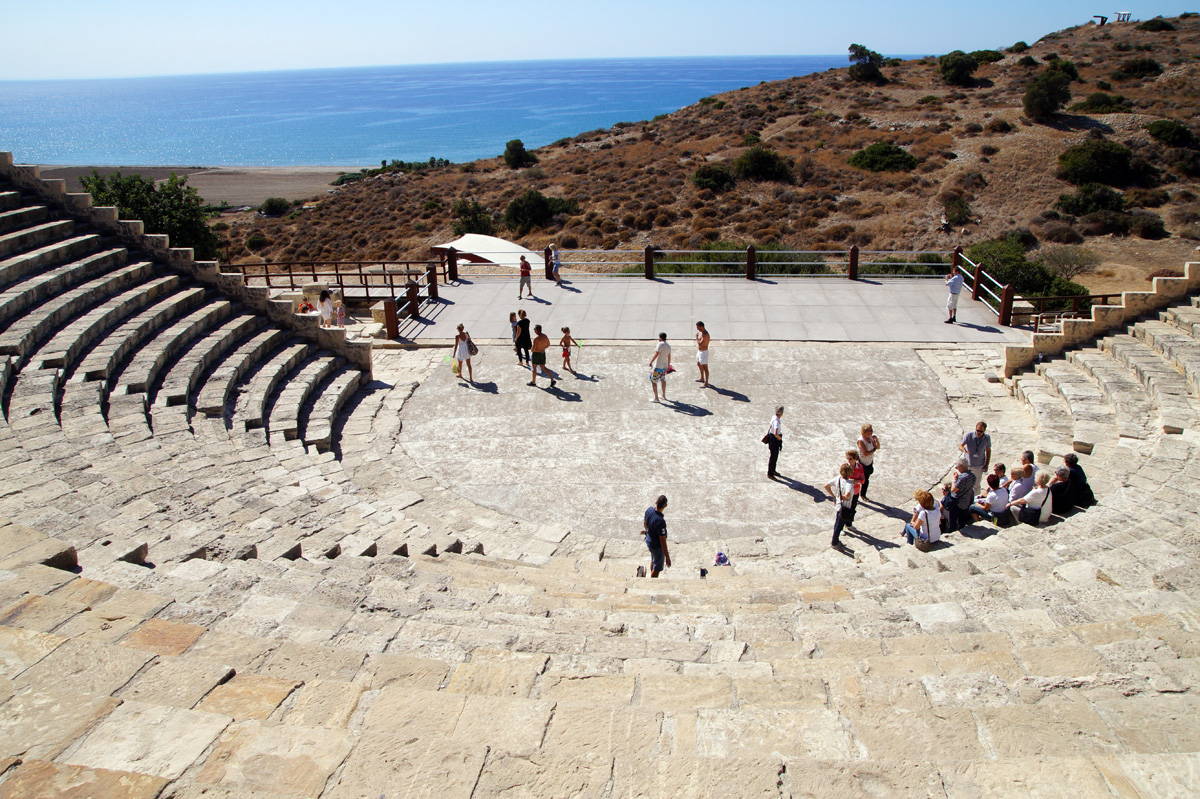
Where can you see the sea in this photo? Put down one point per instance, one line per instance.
(359, 116)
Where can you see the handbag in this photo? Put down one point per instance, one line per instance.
(922, 544)
(471, 348)
(767, 439)
(1028, 515)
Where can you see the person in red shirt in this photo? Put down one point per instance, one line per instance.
(526, 280)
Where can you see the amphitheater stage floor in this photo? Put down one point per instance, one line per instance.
(733, 309)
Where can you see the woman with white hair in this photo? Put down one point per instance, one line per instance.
(1028, 509)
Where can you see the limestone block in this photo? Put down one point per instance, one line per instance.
(931, 645)
(248, 696)
(240, 651)
(903, 734)
(595, 690)
(39, 778)
(514, 726)
(396, 763)
(1154, 723)
(304, 662)
(149, 739)
(1060, 661)
(84, 667)
(811, 732)
(581, 776)
(817, 780)
(1152, 775)
(929, 616)
(493, 679)
(324, 703)
(1049, 729)
(904, 666)
(42, 721)
(20, 649)
(39, 613)
(163, 637)
(85, 591)
(968, 690)
(177, 682)
(1001, 664)
(382, 670)
(669, 691)
(583, 729)
(285, 760)
(666, 777)
(871, 692)
(780, 693)
(1063, 778)
(98, 626)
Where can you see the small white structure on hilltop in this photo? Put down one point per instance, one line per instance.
(480, 249)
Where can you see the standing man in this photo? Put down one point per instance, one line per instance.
(526, 279)
(702, 339)
(524, 341)
(655, 528)
(954, 282)
(977, 447)
(541, 342)
(774, 441)
(659, 362)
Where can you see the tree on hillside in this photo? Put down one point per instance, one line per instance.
(957, 68)
(171, 207)
(472, 217)
(535, 210)
(865, 65)
(516, 156)
(762, 163)
(1046, 93)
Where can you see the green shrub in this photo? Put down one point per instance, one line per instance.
(1004, 259)
(761, 163)
(516, 156)
(1156, 25)
(880, 157)
(957, 210)
(865, 65)
(1184, 161)
(1096, 161)
(929, 99)
(275, 206)
(987, 56)
(535, 210)
(999, 126)
(1146, 198)
(349, 177)
(1021, 235)
(472, 217)
(1065, 67)
(171, 207)
(1027, 61)
(1171, 133)
(1105, 223)
(957, 68)
(1061, 233)
(1019, 47)
(1146, 225)
(1135, 68)
(257, 240)
(1046, 93)
(1090, 197)
(1101, 103)
(715, 177)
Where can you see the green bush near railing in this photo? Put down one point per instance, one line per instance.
(921, 265)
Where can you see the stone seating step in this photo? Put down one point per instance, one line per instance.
(19, 266)
(30, 291)
(1095, 421)
(218, 386)
(285, 411)
(143, 369)
(36, 236)
(63, 349)
(26, 332)
(1137, 416)
(1185, 317)
(259, 385)
(327, 402)
(1176, 346)
(9, 199)
(1054, 424)
(1165, 384)
(28, 216)
(194, 360)
(105, 358)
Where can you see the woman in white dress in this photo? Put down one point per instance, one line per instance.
(325, 306)
(462, 352)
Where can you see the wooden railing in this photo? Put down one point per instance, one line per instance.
(1074, 306)
(362, 281)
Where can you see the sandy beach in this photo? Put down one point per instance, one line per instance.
(235, 185)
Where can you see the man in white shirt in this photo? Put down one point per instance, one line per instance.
(660, 361)
(774, 441)
(954, 282)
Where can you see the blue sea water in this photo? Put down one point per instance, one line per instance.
(359, 116)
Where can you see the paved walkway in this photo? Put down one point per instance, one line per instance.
(734, 309)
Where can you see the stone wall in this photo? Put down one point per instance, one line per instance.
(1104, 318)
(79, 206)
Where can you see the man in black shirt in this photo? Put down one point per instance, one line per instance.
(655, 528)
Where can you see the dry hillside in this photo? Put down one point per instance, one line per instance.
(973, 145)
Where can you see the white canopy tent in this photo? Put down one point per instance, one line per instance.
(479, 249)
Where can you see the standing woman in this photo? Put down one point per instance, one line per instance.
(512, 323)
(556, 264)
(325, 306)
(524, 341)
(462, 352)
(868, 444)
(841, 488)
(774, 439)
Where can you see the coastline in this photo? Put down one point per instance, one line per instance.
(236, 185)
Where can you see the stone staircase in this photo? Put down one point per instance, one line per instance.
(220, 577)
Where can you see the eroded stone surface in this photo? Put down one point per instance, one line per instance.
(35, 778)
(287, 760)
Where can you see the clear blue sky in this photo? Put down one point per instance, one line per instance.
(75, 39)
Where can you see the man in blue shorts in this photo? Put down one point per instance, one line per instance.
(655, 528)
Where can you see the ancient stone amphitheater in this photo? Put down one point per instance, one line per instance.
(224, 576)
